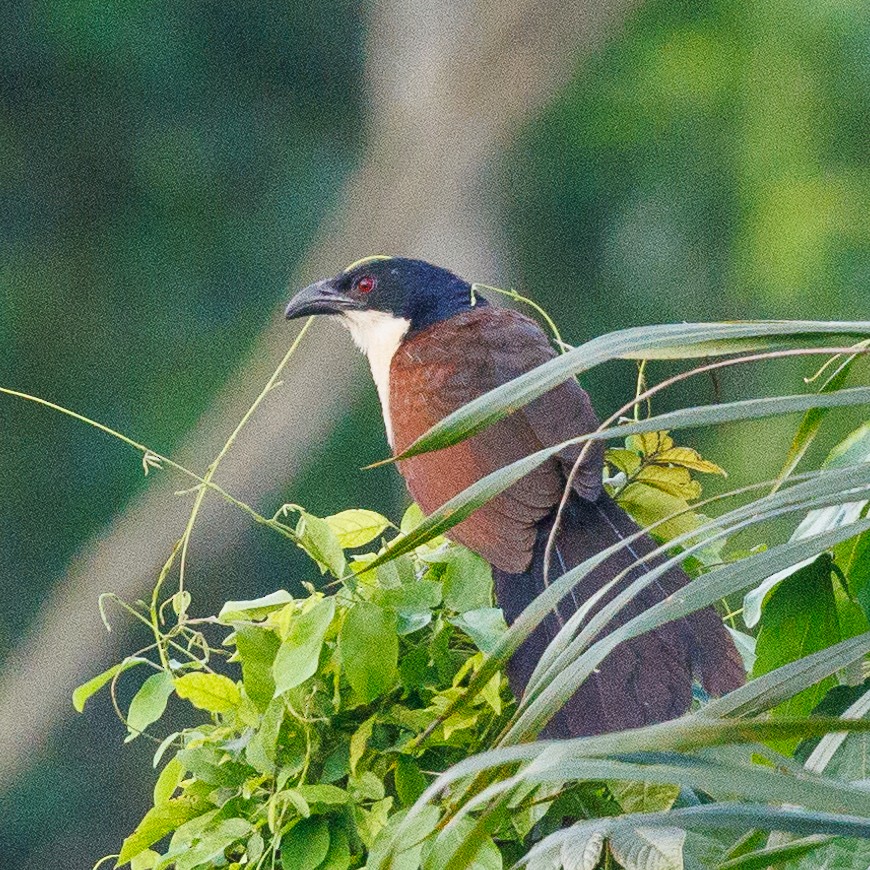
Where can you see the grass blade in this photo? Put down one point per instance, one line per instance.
(668, 341)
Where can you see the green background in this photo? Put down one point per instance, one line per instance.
(163, 167)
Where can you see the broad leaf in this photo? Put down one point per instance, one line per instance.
(93, 685)
(356, 528)
(298, 655)
(648, 848)
(168, 781)
(467, 581)
(800, 618)
(209, 849)
(643, 797)
(316, 537)
(256, 608)
(306, 845)
(212, 692)
(369, 649)
(149, 703)
(485, 626)
(156, 824)
(854, 449)
(257, 648)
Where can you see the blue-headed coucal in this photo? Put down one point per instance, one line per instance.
(433, 345)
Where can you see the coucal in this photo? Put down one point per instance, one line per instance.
(433, 346)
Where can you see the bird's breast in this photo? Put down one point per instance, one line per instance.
(378, 335)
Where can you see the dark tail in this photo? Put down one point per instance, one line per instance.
(644, 680)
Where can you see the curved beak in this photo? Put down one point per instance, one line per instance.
(319, 298)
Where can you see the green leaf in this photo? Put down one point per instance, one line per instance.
(209, 850)
(255, 848)
(485, 626)
(356, 528)
(650, 505)
(369, 823)
(369, 649)
(745, 644)
(689, 458)
(359, 741)
(587, 852)
(761, 859)
(408, 840)
(319, 793)
(148, 703)
(338, 856)
(852, 450)
(648, 848)
(262, 749)
(643, 797)
(257, 648)
(168, 781)
(145, 860)
(212, 692)
(256, 608)
(298, 655)
(674, 481)
(156, 824)
(668, 341)
(412, 518)
(306, 845)
(467, 581)
(164, 745)
(366, 787)
(409, 780)
(857, 571)
(483, 854)
(813, 419)
(410, 599)
(93, 685)
(317, 538)
(800, 618)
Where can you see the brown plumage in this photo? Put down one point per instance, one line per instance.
(443, 366)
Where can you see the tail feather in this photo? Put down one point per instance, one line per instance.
(644, 680)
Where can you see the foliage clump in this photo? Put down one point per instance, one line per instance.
(338, 722)
(338, 710)
(317, 747)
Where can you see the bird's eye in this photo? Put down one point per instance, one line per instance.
(365, 284)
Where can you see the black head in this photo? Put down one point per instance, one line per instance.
(409, 290)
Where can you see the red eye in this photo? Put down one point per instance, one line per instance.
(365, 284)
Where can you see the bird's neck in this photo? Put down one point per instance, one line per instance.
(378, 335)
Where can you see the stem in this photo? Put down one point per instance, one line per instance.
(512, 294)
(209, 474)
(147, 451)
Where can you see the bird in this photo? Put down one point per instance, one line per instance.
(433, 344)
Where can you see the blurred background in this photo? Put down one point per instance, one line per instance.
(168, 171)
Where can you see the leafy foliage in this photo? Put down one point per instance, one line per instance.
(374, 724)
(309, 756)
(324, 754)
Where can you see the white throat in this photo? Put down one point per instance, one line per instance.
(378, 335)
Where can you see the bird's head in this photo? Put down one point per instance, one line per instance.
(377, 292)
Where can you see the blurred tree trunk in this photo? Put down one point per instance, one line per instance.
(449, 84)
